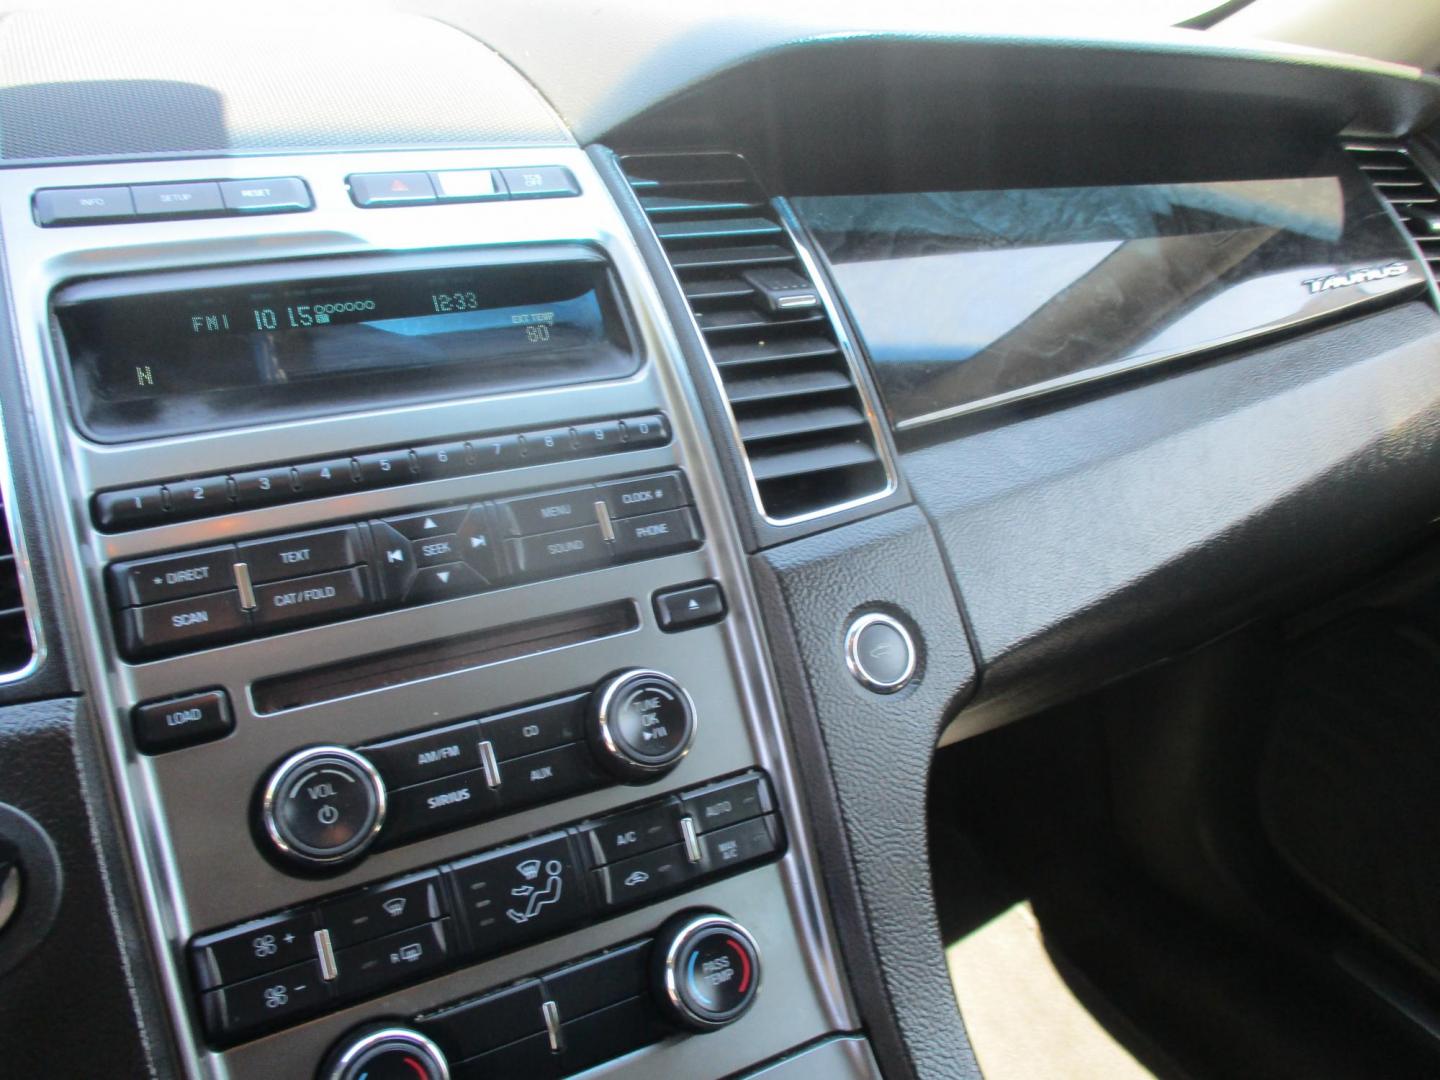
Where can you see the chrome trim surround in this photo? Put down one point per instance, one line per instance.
(672, 958)
(420, 1044)
(852, 653)
(197, 869)
(21, 551)
(316, 754)
(612, 746)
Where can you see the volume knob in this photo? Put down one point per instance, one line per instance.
(323, 806)
(641, 724)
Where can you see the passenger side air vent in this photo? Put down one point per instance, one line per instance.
(16, 645)
(810, 442)
(1414, 196)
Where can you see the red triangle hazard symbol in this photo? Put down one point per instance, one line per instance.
(399, 185)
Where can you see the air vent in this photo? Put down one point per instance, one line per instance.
(16, 646)
(810, 442)
(1409, 190)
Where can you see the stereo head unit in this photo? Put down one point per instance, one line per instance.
(169, 354)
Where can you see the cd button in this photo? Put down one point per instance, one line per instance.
(183, 624)
(301, 553)
(527, 731)
(263, 487)
(172, 577)
(562, 552)
(308, 599)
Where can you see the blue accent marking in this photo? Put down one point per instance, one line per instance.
(695, 986)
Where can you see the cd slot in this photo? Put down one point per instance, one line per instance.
(414, 663)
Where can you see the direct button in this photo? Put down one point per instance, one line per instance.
(879, 653)
(161, 726)
(307, 599)
(183, 624)
(301, 553)
(172, 577)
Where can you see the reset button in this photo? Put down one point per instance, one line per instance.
(161, 726)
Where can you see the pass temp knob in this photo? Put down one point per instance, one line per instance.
(705, 970)
(385, 1053)
(641, 724)
(322, 807)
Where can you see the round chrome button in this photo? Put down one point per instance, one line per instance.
(387, 1053)
(880, 653)
(323, 805)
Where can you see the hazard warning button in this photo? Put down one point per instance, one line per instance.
(390, 189)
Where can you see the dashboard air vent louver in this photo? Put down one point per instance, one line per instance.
(16, 645)
(1411, 191)
(809, 439)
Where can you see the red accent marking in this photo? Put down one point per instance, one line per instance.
(420, 1070)
(744, 964)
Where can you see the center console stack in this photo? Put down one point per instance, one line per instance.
(440, 726)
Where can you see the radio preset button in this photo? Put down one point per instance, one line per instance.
(417, 758)
(495, 452)
(317, 479)
(263, 487)
(130, 508)
(549, 511)
(161, 726)
(383, 469)
(300, 554)
(307, 599)
(548, 444)
(199, 497)
(560, 552)
(601, 437)
(441, 460)
(183, 624)
(171, 577)
(643, 431)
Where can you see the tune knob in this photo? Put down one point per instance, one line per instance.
(641, 724)
(706, 970)
(385, 1053)
(323, 806)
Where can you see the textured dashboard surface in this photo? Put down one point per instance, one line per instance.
(879, 751)
(68, 1009)
(1091, 540)
(94, 84)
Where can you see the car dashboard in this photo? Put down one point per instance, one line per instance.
(501, 531)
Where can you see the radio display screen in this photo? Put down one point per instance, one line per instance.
(148, 360)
